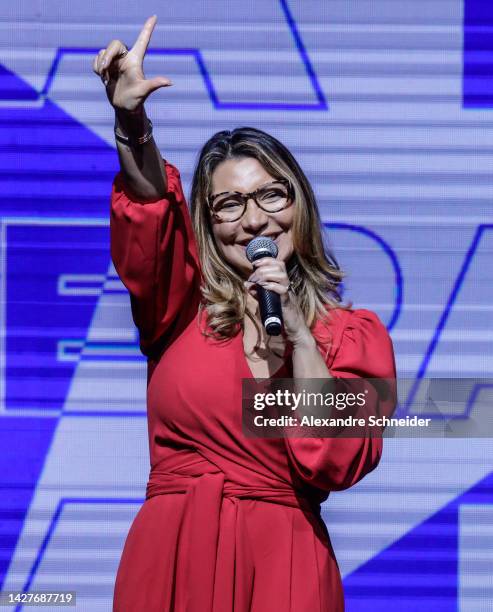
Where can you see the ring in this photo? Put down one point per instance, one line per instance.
(123, 53)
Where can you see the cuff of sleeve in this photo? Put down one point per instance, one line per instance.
(173, 186)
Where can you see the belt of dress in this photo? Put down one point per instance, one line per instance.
(205, 487)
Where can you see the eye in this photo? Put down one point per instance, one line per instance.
(272, 194)
(227, 204)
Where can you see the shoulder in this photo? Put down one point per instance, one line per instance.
(338, 320)
(354, 336)
(363, 319)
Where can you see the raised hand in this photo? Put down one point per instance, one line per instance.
(122, 72)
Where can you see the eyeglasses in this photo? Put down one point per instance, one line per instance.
(231, 205)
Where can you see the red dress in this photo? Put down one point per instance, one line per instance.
(229, 523)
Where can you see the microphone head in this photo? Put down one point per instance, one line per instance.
(261, 246)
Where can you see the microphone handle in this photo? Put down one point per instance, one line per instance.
(270, 310)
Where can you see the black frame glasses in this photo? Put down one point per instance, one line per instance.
(244, 197)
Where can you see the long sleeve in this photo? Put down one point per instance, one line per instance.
(155, 255)
(364, 351)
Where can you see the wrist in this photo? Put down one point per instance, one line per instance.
(132, 127)
(131, 122)
(303, 341)
(129, 114)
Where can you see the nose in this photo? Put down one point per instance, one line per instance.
(254, 219)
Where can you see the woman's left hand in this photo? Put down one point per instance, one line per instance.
(272, 274)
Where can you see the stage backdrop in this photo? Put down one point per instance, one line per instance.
(387, 105)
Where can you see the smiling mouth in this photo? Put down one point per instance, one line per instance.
(245, 243)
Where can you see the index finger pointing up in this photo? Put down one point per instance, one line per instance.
(144, 37)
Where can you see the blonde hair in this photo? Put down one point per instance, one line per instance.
(313, 270)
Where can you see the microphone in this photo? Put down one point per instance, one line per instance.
(269, 301)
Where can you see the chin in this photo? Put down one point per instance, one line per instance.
(285, 251)
(284, 254)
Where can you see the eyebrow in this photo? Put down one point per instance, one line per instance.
(214, 195)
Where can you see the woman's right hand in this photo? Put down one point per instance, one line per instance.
(123, 74)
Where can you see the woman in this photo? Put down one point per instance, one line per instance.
(229, 522)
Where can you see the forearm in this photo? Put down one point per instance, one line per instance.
(307, 359)
(141, 165)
